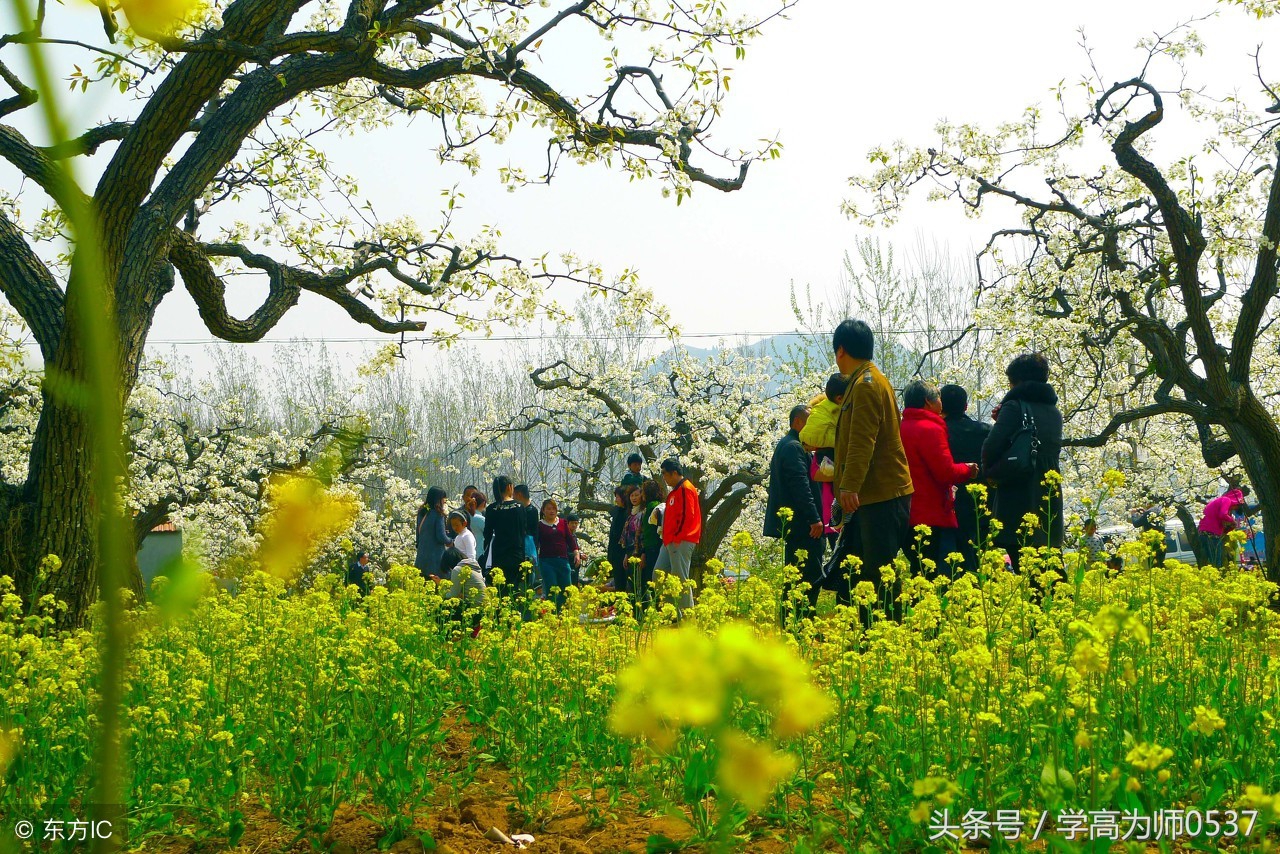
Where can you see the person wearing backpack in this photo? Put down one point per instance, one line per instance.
(1024, 445)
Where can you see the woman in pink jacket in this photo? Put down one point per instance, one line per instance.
(1218, 521)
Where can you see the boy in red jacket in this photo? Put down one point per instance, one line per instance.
(681, 528)
(934, 473)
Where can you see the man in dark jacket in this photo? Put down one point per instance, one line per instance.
(1029, 393)
(525, 498)
(789, 489)
(615, 553)
(358, 573)
(504, 534)
(966, 436)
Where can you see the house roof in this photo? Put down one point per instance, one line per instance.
(165, 528)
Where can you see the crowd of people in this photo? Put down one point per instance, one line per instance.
(857, 476)
(854, 477)
(655, 525)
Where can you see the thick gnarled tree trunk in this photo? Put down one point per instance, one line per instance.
(55, 512)
(59, 509)
(1256, 438)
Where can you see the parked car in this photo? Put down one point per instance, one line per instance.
(1178, 547)
(1176, 544)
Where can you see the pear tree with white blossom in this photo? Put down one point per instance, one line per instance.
(218, 170)
(1150, 276)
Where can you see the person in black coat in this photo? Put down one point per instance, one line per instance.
(358, 573)
(524, 497)
(966, 436)
(1030, 392)
(789, 488)
(504, 533)
(615, 554)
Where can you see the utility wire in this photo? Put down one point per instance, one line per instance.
(388, 339)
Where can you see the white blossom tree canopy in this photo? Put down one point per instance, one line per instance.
(720, 416)
(220, 168)
(1160, 272)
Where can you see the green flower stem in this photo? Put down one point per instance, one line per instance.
(96, 321)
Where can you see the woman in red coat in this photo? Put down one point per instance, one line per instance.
(934, 474)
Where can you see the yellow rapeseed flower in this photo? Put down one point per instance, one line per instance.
(304, 516)
(1113, 479)
(749, 770)
(1087, 658)
(1255, 797)
(159, 17)
(688, 679)
(1148, 756)
(8, 749)
(1207, 721)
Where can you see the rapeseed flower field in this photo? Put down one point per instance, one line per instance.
(1073, 687)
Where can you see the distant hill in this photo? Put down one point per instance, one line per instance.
(786, 348)
(781, 348)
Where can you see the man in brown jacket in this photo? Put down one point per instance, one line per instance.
(873, 480)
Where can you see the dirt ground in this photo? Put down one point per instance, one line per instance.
(459, 821)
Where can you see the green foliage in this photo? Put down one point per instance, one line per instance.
(1111, 691)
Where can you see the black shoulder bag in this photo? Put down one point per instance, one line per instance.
(1021, 460)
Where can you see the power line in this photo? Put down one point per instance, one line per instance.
(472, 339)
(387, 339)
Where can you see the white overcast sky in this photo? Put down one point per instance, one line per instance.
(834, 80)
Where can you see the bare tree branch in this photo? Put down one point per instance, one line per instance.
(30, 288)
(192, 259)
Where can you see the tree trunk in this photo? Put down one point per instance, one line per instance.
(719, 521)
(1256, 437)
(55, 513)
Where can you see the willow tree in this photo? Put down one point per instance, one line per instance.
(221, 167)
(1155, 275)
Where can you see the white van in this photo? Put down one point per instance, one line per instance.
(1175, 540)
(1176, 544)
